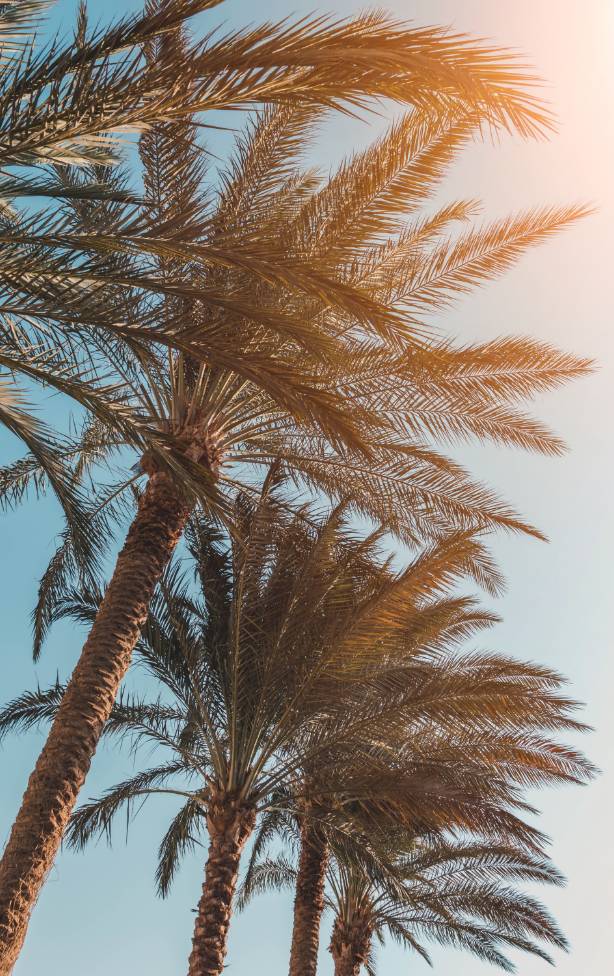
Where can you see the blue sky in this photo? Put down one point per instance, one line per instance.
(98, 912)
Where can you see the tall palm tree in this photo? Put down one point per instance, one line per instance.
(455, 892)
(115, 289)
(309, 653)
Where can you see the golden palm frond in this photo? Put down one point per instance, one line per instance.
(205, 350)
(319, 360)
(337, 61)
(479, 256)
(372, 194)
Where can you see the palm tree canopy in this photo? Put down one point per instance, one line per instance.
(304, 650)
(64, 103)
(299, 309)
(427, 889)
(456, 894)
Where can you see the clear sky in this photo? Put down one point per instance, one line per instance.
(98, 913)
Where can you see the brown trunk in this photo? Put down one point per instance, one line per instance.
(230, 826)
(65, 760)
(309, 900)
(346, 963)
(350, 945)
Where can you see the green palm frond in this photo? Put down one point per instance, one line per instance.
(403, 935)
(31, 710)
(46, 465)
(68, 563)
(273, 824)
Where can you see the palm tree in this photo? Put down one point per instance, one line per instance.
(358, 804)
(63, 104)
(417, 889)
(455, 894)
(115, 289)
(307, 654)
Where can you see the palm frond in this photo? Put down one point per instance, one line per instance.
(335, 61)
(270, 874)
(19, 20)
(31, 709)
(96, 817)
(180, 839)
(456, 268)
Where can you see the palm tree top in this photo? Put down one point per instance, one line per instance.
(272, 315)
(461, 894)
(95, 263)
(330, 363)
(306, 665)
(424, 890)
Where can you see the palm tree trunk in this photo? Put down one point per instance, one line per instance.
(350, 945)
(230, 826)
(65, 760)
(309, 900)
(346, 963)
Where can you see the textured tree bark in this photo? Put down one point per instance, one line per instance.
(230, 826)
(308, 900)
(65, 760)
(350, 945)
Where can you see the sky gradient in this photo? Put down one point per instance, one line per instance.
(98, 913)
